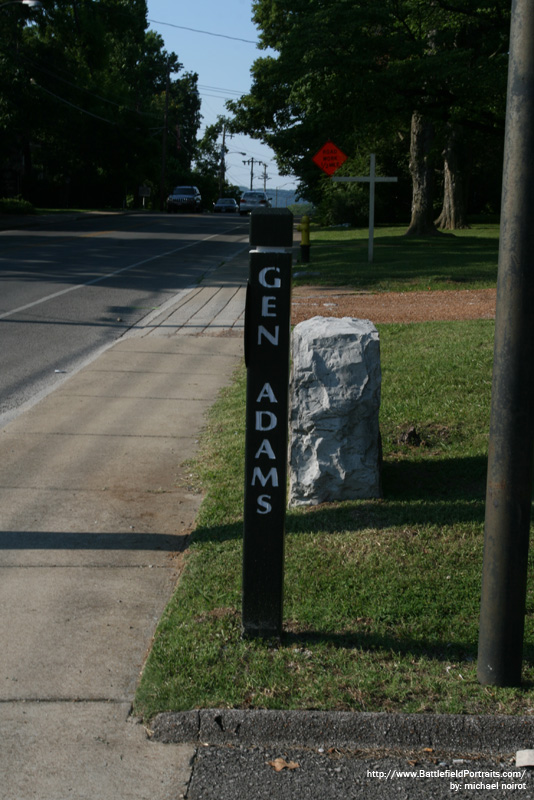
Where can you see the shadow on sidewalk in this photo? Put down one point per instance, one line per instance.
(36, 540)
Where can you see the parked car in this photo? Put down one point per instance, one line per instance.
(252, 200)
(184, 198)
(225, 205)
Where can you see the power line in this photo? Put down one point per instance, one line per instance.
(68, 103)
(87, 91)
(237, 92)
(217, 96)
(207, 33)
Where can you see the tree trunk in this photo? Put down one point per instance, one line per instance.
(453, 215)
(421, 170)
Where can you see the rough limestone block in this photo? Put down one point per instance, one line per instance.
(335, 437)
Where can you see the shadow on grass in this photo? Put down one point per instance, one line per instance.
(445, 492)
(372, 642)
(441, 492)
(419, 648)
(449, 479)
(449, 260)
(436, 493)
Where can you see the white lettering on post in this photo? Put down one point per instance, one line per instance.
(272, 337)
(272, 476)
(269, 278)
(264, 507)
(263, 278)
(261, 424)
(266, 450)
(268, 308)
(267, 392)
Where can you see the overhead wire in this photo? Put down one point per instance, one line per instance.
(236, 92)
(203, 93)
(72, 105)
(228, 93)
(204, 90)
(207, 33)
(49, 72)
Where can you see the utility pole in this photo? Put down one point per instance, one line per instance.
(223, 165)
(510, 452)
(163, 180)
(251, 161)
(265, 176)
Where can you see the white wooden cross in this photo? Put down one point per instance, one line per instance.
(372, 180)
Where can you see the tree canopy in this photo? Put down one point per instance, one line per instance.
(88, 96)
(357, 71)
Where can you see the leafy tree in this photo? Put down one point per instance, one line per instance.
(209, 148)
(211, 162)
(179, 109)
(458, 88)
(370, 72)
(15, 107)
(88, 112)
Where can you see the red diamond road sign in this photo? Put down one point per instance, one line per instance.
(329, 158)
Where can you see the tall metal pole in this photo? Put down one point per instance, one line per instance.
(510, 456)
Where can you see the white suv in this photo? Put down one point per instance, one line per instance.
(252, 200)
(184, 198)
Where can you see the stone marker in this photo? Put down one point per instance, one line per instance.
(335, 437)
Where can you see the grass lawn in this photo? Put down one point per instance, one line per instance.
(461, 260)
(382, 597)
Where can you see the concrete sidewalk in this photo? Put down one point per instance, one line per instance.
(95, 510)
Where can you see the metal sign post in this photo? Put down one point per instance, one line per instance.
(267, 339)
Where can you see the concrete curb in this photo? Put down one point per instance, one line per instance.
(362, 731)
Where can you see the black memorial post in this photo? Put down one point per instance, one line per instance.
(267, 342)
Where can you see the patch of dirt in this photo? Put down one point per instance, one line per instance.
(312, 301)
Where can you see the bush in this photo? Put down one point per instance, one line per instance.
(298, 209)
(346, 204)
(15, 205)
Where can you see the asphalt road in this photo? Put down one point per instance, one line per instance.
(261, 773)
(71, 288)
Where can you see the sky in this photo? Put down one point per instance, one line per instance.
(223, 67)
